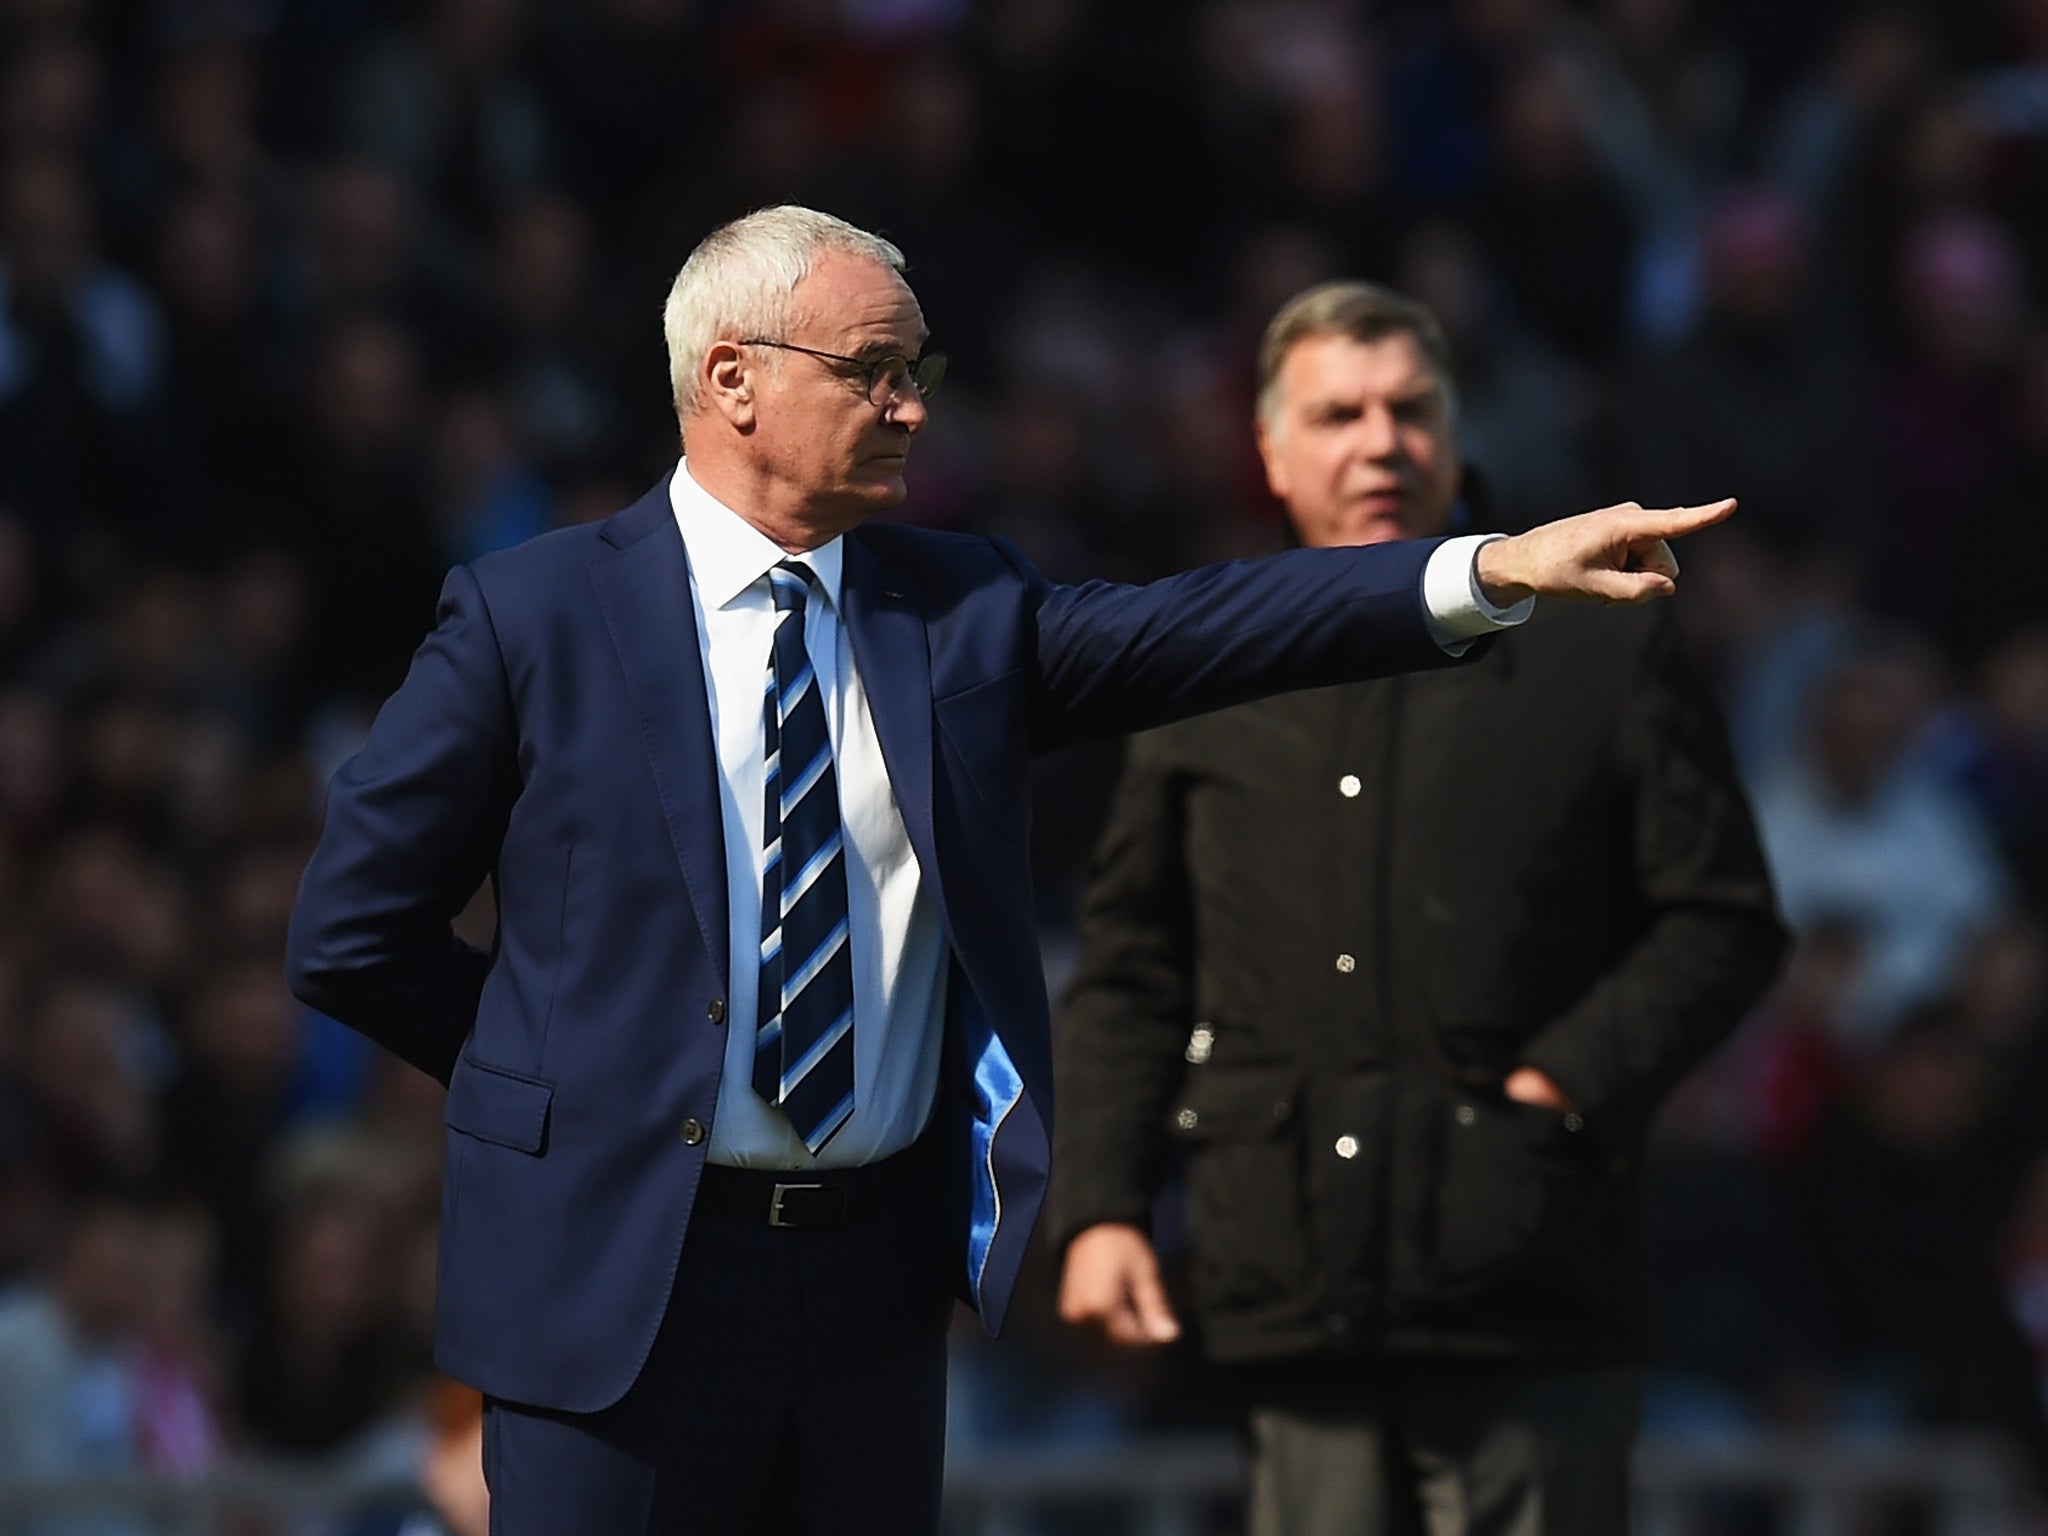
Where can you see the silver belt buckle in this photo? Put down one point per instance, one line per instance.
(775, 1202)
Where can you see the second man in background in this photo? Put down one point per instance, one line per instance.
(1406, 968)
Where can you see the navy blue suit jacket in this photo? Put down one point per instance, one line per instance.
(554, 735)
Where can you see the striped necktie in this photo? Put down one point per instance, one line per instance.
(803, 1049)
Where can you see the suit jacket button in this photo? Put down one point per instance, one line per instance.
(715, 1010)
(693, 1131)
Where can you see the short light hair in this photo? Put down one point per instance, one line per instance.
(738, 280)
(1361, 311)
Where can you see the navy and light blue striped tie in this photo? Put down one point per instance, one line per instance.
(803, 1050)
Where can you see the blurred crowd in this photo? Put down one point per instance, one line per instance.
(300, 303)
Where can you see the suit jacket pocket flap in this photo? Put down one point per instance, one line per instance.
(1234, 1103)
(985, 725)
(498, 1107)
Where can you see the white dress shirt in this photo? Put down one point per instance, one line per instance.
(893, 929)
(1454, 606)
(899, 947)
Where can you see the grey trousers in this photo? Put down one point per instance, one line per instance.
(1444, 1450)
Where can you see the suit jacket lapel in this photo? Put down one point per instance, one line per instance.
(885, 623)
(644, 590)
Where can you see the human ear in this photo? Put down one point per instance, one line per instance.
(727, 384)
(1277, 480)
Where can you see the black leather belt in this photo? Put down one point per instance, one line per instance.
(824, 1197)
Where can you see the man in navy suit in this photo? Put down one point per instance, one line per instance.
(754, 1078)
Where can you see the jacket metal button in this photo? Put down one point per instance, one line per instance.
(1347, 963)
(693, 1131)
(1574, 1121)
(715, 1010)
(1186, 1119)
(1200, 1044)
(1466, 1114)
(1347, 1146)
(1348, 786)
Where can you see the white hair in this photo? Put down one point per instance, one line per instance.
(737, 283)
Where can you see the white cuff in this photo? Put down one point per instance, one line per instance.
(1454, 607)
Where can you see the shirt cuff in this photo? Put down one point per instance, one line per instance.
(1454, 608)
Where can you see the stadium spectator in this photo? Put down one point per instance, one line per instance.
(1759, 391)
(1860, 832)
(70, 1385)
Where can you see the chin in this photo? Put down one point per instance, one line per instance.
(862, 497)
(1374, 528)
(881, 485)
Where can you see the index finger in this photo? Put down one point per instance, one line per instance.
(1675, 522)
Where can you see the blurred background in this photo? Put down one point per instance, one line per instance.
(303, 300)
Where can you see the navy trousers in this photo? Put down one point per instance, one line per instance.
(797, 1388)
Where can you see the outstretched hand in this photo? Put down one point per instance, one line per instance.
(1616, 555)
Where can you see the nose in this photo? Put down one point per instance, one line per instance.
(1377, 437)
(906, 408)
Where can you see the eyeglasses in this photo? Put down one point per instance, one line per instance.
(885, 376)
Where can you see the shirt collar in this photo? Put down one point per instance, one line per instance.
(728, 554)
